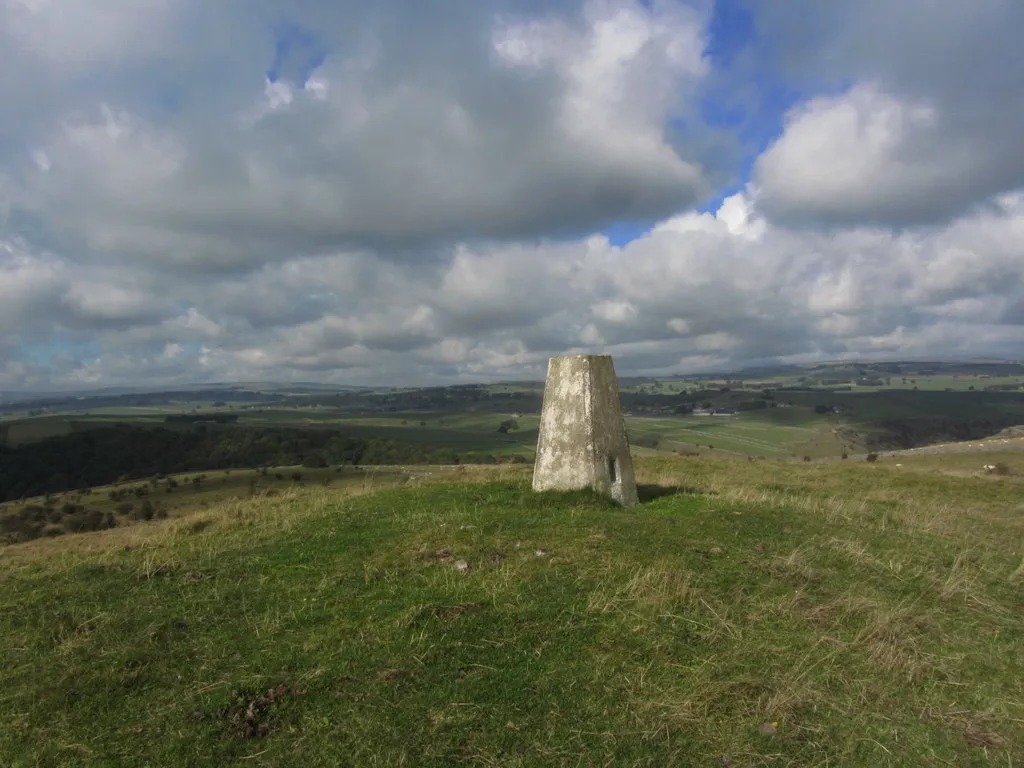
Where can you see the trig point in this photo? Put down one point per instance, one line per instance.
(582, 441)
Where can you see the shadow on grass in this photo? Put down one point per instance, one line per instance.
(649, 492)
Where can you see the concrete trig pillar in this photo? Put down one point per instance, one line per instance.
(582, 442)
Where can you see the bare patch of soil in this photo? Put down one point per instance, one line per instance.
(252, 714)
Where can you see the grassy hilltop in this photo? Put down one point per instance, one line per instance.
(747, 613)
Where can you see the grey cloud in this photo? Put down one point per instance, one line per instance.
(701, 291)
(405, 216)
(415, 131)
(28, 282)
(926, 121)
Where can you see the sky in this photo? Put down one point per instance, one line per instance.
(422, 192)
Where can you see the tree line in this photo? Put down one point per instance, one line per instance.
(122, 452)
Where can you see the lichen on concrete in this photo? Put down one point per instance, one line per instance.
(582, 441)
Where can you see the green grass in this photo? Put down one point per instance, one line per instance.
(774, 433)
(873, 613)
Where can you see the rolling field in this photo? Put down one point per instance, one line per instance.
(923, 382)
(815, 420)
(751, 434)
(462, 430)
(15, 433)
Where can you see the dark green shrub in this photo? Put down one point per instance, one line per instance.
(17, 527)
(84, 520)
(145, 511)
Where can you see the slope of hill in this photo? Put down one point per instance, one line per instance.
(748, 613)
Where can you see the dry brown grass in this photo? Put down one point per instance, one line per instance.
(655, 589)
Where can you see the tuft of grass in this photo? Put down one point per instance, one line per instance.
(749, 613)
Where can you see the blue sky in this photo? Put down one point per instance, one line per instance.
(408, 191)
(297, 53)
(747, 98)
